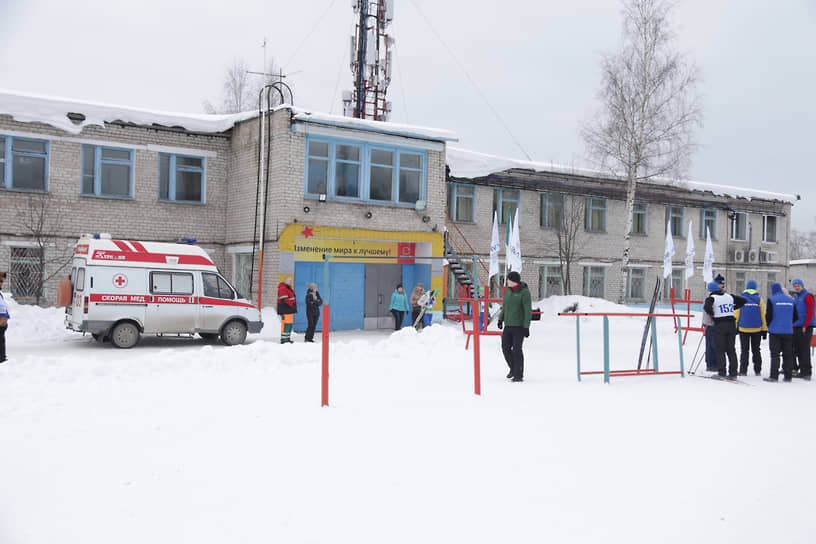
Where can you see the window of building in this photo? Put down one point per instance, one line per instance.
(639, 218)
(549, 281)
(241, 272)
(171, 283)
(769, 228)
(107, 171)
(708, 218)
(771, 280)
(461, 202)
(594, 278)
(674, 281)
(635, 283)
(674, 220)
(506, 202)
(216, 287)
(26, 274)
(344, 170)
(23, 164)
(552, 210)
(181, 178)
(739, 282)
(596, 214)
(739, 226)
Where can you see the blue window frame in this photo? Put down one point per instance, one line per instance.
(674, 218)
(708, 218)
(24, 163)
(461, 202)
(506, 202)
(182, 178)
(595, 215)
(347, 170)
(639, 214)
(552, 210)
(107, 171)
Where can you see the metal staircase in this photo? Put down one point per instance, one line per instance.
(456, 265)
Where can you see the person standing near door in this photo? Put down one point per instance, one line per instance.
(4, 317)
(287, 308)
(416, 294)
(398, 307)
(313, 304)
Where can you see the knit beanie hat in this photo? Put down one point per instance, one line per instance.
(750, 285)
(514, 276)
(797, 280)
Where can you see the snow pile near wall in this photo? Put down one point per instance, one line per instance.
(470, 164)
(369, 125)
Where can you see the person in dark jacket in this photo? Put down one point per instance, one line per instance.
(708, 325)
(751, 327)
(514, 318)
(287, 308)
(780, 313)
(416, 294)
(399, 305)
(313, 304)
(4, 316)
(803, 329)
(720, 306)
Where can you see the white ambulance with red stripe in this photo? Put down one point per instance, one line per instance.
(120, 289)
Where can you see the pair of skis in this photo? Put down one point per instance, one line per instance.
(426, 305)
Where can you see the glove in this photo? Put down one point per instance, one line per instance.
(501, 324)
(764, 335)
(526, 332)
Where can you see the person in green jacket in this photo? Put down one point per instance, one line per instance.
(399, 305)
(514, 318)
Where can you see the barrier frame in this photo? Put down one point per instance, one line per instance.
(607, 373)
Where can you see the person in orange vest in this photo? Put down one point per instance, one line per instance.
(287, 308)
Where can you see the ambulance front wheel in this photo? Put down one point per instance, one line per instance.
(124, 335)
(234, 333)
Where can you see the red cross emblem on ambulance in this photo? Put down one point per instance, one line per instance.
(120, 281)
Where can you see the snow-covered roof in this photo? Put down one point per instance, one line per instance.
(35, 108)
(803, 262)
(471, 164)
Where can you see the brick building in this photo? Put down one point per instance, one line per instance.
(373, 195)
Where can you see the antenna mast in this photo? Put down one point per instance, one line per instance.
(370, 61)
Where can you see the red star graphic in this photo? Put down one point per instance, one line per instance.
(307, 231)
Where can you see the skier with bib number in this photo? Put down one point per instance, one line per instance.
(720, 306)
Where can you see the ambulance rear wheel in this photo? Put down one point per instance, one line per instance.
(234, 333)
(124, 335)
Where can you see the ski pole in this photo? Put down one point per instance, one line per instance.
(695, 363)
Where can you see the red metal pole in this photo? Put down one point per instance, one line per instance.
(477, 378)
(325, 370)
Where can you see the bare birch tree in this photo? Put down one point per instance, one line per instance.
(240, 88)
(649, 107)
(40, 216)
(569, 239)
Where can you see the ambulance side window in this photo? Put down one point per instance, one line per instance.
(216, 287)
(79, 283)
(171, 283)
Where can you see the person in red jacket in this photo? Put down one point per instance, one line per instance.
(287, 308)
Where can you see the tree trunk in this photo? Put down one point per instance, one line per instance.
(631, 185)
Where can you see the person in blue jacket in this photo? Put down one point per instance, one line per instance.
(803, 329)
(780, 313)
(399, 305)
(752, 328)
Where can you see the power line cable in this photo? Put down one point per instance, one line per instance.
(309, 35)
(478, 89)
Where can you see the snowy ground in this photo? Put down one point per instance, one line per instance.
(181, 441)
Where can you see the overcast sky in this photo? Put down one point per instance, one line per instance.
(536, 62)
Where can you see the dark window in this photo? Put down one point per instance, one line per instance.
(171, 283)
(181, 178)
(217, 287)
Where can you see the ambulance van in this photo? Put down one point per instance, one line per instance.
(120, 289)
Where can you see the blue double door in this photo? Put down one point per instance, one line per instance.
(359, 293)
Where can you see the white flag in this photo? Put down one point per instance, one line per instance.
(515, 246)
(689, 253)
(708, 263)
(668, 253)
(495, 245)
(508, 235)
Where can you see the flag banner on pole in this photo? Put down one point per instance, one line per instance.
(668, 253)
(708, 262)
(689, 253)
(515, 245)
(508, 230)
(495, 245)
